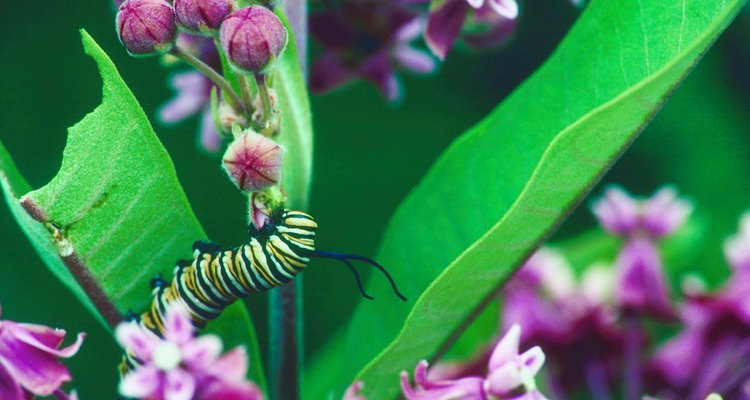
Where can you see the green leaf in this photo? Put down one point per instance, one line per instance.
(116, 211)
(14, 185)
(502, 188)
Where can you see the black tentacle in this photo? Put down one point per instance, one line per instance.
(347, 257)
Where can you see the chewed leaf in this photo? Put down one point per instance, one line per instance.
(115, 215)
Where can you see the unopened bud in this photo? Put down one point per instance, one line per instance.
(146, 27)
(253, 162)
(253, 38)
(202, 16)
(227, 117)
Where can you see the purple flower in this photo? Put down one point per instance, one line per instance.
(352, 392)
(574, 322)
(510, 376)
(28, 360)
(193, 93)
(367, 40)
(641, 285)
(737, 248)
(446, 21)
(712, 351)
(181, 366)
(657, 216)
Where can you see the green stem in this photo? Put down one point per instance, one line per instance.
(265, 99)
(247, 95)
(226, 89)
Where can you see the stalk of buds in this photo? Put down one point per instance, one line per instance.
(251, 38)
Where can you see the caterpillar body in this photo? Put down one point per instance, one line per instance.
(216, 277)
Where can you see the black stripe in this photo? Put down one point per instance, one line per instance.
(275, 263)
(251, 265)
(230, 282)
(207, 285)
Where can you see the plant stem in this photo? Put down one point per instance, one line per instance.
(210, 73)
(286, 340)
(265, 99)
(632, 368)
(286, 311)
(247, 95)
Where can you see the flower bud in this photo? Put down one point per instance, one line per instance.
(252, 39)
(146, 27)
(201, 16)
(253, 162)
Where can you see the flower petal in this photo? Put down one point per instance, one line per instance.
(232, 364)
(180, 385)
(221, 390)
(45, 339)
(9, 388)
(503, 380)
(353, 390)
(444, 25)
(379, 71)
(202, 351)
(533, 359)
(193, 91)
(617, 212)
(664, 212)
(641, 283)
(414, 59)
(329, 72)
(505, 8)
(210, 140)
(37, 370)
(178, 328)
(141, 382)
(507, 349)
(136, 340)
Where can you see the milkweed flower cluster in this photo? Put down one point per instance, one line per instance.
(182, 366)
(371, 39)
(597, 330)
(29, 364)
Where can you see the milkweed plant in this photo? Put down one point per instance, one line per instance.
(545, 254)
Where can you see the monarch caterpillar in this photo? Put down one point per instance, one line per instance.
(217, 277)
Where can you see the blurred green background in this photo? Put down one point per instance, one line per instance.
(368, 154)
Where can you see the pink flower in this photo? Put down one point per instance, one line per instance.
(511, 376)
(369, 40)
(352, 392)
(181, 366)
(193, 92)
(446, 21)
(657, 216)
(641, 285)
(28, 360)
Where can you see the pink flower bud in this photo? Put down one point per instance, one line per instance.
(201, 16)
(253, 162)
(146, 27)
(253, 38)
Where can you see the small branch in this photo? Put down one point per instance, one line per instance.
(232, 98)
(77, 267)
